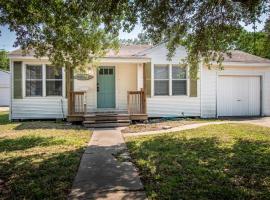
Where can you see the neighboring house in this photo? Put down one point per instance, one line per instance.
(4, 88)
(157, 87)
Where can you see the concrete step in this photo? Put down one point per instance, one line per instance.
(105, 125)
(113, 117)
(106, 121)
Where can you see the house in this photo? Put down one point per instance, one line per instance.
(4, 88)
(139, 82)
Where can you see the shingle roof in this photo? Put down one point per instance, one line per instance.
(240, 56)
(133, 51)
(124, 51)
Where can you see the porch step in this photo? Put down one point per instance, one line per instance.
(106, 117)
(106, 120)
(106, 124)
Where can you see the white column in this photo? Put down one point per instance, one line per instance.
(170, 79)
(43, 80)
(139, 76)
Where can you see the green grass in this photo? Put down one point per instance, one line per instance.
(229, 161)
(39, 160)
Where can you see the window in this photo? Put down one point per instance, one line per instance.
(33, 80)
(161, 79)
(179, 81)
(53, 81)
(170, 84)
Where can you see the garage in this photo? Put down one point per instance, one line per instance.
(239, 96)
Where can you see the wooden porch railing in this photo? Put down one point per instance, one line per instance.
(136, 101)
(77, 103)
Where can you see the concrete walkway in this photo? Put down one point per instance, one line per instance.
(105, 171)
(264, 121)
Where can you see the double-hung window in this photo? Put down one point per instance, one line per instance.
(53, 81)
(33, 80)
(179, 80)
(170, 80)
(43, 80)
(161, 80)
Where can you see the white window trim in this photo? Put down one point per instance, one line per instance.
(43, 81)
(170, 81)
(160, 79)
(180, 79)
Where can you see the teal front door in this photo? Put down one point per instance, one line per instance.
(106, 87)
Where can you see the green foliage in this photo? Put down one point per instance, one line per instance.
(73, 32)
(4, 62)
(142, 39)
(254, 43)
(229, 161)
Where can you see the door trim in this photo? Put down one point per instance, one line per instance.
(115, 86)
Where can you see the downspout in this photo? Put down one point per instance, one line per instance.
(11, 88)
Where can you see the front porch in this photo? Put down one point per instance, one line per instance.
(107, 117)
(98, 103)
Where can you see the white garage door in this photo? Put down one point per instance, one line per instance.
(238, 96)
(4, 96)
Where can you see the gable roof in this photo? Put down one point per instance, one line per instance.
(141, 51)
(241, 56)
(125, 51)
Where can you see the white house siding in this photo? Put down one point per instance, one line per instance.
(208, 92)
(170, 106)
(39, 108)
(173, 106)
(210, 80)
(125, 80)
(4, 88)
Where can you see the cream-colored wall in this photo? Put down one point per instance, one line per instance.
(125, 80)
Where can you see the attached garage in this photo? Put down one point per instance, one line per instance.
(239, 96)
(240, 89)
(4, 88)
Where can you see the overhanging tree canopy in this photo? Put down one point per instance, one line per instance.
(72, 32)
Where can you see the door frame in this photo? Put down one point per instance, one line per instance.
(115, 87)
(240, 75)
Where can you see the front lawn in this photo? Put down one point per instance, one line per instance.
(38, 160)
(228, 161)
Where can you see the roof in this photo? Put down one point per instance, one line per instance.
(125, 51)
(240, 56)
(140, 51)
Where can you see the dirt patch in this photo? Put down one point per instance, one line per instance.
(161, 124)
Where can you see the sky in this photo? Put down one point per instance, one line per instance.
(7, 38)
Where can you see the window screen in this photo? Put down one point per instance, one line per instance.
(53, 81)
(179, 80)
(33, 80)
(161, 79)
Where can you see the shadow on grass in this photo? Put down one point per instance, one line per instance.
(37, 124)
(47, 125)
(203, 168)
(26, 142)
(4, 118)
(26, 177)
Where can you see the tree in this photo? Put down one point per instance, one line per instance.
(72, 32)
(254, 43)
(4, 62)
(141, 39)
